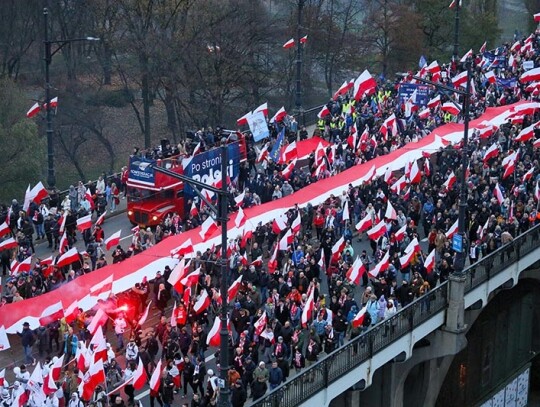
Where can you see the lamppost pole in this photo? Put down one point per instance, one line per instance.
(51, 177)
(456, 31)
(299, 50)
(224, 393)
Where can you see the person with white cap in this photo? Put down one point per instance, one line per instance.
(212, 384)
(5, 398)
(75, 401)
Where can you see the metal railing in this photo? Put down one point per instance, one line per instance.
(338, 363)
(360, 349)
(309, 116)
(500, 259)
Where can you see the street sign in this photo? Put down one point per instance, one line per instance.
(457, 243)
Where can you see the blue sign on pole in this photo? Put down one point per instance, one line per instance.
(206, 167)
(457, 243)
(407, 89)
(141, 171)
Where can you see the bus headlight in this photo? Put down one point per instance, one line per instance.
(154, 218)
(130, 213)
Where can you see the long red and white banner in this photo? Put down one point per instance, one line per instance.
(147, 263)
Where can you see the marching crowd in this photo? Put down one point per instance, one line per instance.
(301, 303)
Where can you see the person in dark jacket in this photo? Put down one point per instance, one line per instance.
(238, 394)
(27, 341)
(275, 375)
(167, 389)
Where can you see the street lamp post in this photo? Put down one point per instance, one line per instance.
(456, 31)
(222, 216)
(49, 53)
(299, 50)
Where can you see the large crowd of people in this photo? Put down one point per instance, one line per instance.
(268, 336)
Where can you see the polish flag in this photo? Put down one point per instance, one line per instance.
(289, 44)
(498, 194)
(537, 192)
(483, 48)
(527, 133)
(390, 211)
(400, 234)
(113, 240)
(536, 17)
(415, 175)
(323, 113)
(536, 143)
(9, 243)
(509, 158)
(356, 271)
(71, 256)
(453, 229)
(247, 233)
(279, 224)
(424, 114)
(4, 228)
(450, 181)
(297, 224)
(321, 169)
(144, 316)
(262, 108)
(213, 338)
(377, 231)
(71, 312)
(94, 376)
(208, 228)
(98, 345)
(286, 240)
(364, 85)
(381, 266)
(52, 313)
(279, 116)
(49, 386)
(343, 89)
(84, 223)
(22, 267)
(413, 246)
(3, 373)
(358, 319)
(56, 368)
(492, 151)
(263, 154)
(90, 199)
(469, 53)
(33, 111)
(184, 249)
(435, 102)
(97, 321)
(286, 173)
(528, 175)
(321, 262)
(38, 193)
(101, 219)
(139, 377)
(460, 79)
(239, 200)
(243, 120)
(197, 149)
(233, 289)
(365, 223)
(257, 262)
(509, 169)
(320, 153)
(260, 324)
(272, 261)
(405, 260)
(103, 287)
(532, 75)
(192, 278)
(289, 154)
(337, 248)
(64, 244)
(486, 131)
(155, 379)
(451, 107)
(399, 185)
(240, 218)
(490, 76)
(429, 262)
(308, 309)
(202, 303)
(388, 175)
(407, 194)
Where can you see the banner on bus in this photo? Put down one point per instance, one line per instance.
(141, 171)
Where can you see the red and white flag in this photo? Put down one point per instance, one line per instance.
(400, 234)
(22, 267)
(469, 53)
(364, 85)
(63, 245)
(213, 338)
(279, 116)
(91, 379)
(202, 303)
(9, 243)
(98, 346)
(98, 321)
(528, 175)
(537, 192)
(356, 271)
(429, 262)
(338, 248)
(381, 266)
(358, 319)
(377, 231)
(239, 200)
(144, 316)
(390, 212)
(155, 379)
(263, 154)
(4, 228)
(343, 89)
(52, 313)
(415, 175)
(483, 48)
(240, 218)
(460, 79)
(498, 194)
(289, 44)
(71, 312)
(453, 230)
(4, 345)
(399, 185)
(279, 224)
(286, 240)
(492, 152)
(324, 112)
(113, 240)
(365, 223)
(296, 224)
(69, 257)
(260, 324)
(289, 153)
(184, 249)
(139, 376)
(233, 289)
(490, 76)
(192, 278)
(101, 219)
(453, 108)
(308, 309)
(84, 223)
(208, 228)
(527, 133)
(450, 181)
(435, 102)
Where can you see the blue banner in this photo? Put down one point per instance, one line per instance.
(494, 61)
(407, 89)
(276, 149)
(141, 171)
(507, 83)
(206, 167)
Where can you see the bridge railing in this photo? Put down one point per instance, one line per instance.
(500, 259)
(333, 366)
(329, 369)
(309, 116)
